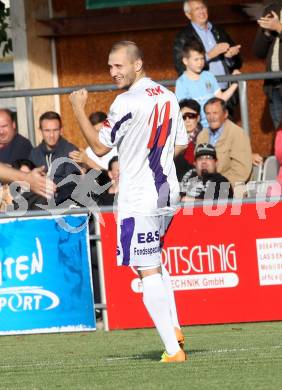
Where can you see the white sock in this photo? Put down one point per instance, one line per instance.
(156, 301)
(170, 293)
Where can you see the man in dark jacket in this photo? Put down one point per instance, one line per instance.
(204, 182)
(13, 146)
(50, 150)
(222, 55)
(267, 45)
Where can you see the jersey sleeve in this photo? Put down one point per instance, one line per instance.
(116, 124)
(181, 133)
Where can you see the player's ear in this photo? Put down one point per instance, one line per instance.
(138, 65)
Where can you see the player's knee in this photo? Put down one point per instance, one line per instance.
(153, 290)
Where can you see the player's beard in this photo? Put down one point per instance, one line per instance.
(125, 81)
(129, 80)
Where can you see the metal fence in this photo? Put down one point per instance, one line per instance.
(28, 95)
(242, 80)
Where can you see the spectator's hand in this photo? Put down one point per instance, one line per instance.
(5, 195)
(270, 22)
(235, 71)
(39, 183)
(232, 51)
(220, 48)
(257, 159)
(78, 99)
(79, 156)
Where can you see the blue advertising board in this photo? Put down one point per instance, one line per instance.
(45, 275)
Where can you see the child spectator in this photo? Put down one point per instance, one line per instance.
(196, 83)
(107, 198)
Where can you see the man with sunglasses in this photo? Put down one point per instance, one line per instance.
(204, 182)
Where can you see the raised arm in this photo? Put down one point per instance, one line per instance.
(226, 95)
(78, 100)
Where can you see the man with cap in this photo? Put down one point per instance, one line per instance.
(204, 182)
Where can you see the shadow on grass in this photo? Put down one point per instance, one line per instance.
(152, 355)
(155, 355)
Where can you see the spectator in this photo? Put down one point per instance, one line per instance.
(204, 182)
(107, 198)
(52, 147)
(6, 198)
(24, 165)
(274, 189)
(222, 56)
(22, 198)
(190, 110)
(13, 146)
(33, 200)
(36, 179)
(267, 45)
(257, 159)
(278, 152)
(199, 84)
(232, 145)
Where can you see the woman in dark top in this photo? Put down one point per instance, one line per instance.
(190, 110)
(107, 198)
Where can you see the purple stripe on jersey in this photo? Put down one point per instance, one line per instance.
(160, 178)
(118, 124)
(126, 234)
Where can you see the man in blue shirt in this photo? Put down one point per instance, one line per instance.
(222, 55)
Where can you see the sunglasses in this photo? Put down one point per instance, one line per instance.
(189, 115)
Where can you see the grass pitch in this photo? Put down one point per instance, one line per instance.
(234, 356)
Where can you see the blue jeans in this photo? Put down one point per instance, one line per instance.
(275, 106)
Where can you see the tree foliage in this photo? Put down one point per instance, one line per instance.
(5, 40)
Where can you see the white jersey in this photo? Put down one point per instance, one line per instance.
(145, 124)
(103, 161)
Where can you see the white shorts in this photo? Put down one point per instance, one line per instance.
(140, 239)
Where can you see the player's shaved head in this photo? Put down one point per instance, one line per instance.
(133, 51)
(125, 63)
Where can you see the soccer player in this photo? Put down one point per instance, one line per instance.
(146, 125)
